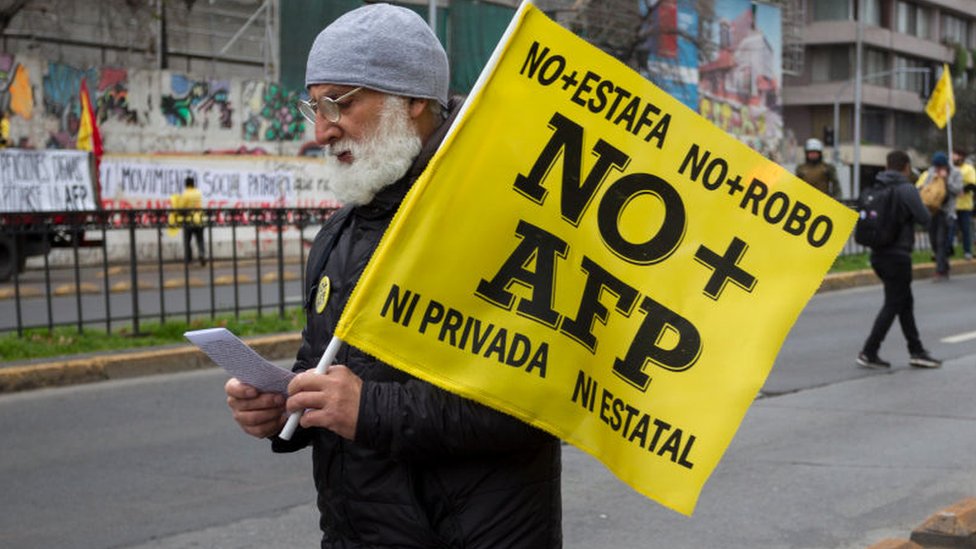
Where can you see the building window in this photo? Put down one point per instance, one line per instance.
(912, 19)
(875, 62)
(922, 26)
(910, 80)
(873, 126)
(912, 130)
(872, 12)
(830, 64)
(839, 10)
(955, 30)
(831, 10)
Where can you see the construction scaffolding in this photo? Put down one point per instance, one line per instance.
(793, 47)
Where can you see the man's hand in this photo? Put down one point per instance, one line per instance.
(330, 400)
(261, 415)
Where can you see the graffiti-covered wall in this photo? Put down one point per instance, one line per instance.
(726, 66)
(147, 111)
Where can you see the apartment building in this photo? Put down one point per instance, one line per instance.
(904, 45)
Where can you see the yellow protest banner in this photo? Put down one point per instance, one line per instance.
(589, 255)
(942, 103)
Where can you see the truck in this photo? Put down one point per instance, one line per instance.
(41, 191)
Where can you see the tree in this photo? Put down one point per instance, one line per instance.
(627, 29)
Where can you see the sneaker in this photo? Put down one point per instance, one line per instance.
(924, 360)
(875, 361)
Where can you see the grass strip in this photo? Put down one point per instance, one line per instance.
(65, 340)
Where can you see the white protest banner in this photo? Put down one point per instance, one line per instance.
(48, 180)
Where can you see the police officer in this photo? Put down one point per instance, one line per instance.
(816, 172)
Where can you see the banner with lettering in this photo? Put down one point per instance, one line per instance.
(148, 181)
(589, 255)
(45, 181)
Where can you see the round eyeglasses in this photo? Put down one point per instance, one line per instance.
(327, 107)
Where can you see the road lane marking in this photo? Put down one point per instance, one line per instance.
(959, 338)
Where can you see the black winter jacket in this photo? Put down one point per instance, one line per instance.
(428, 468)
(909, 210)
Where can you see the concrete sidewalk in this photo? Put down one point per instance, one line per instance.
(41, 373)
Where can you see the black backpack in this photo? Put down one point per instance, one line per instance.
(877, 222)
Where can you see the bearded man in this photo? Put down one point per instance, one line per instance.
(396, 461)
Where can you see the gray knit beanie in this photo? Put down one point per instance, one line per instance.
(381, 47)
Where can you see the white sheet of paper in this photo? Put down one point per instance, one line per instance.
(241, 361)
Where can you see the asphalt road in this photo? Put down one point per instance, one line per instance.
(826, 338)
(831, 456)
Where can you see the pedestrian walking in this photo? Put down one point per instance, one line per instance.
(893, 265)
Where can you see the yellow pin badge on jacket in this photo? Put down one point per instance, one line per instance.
(322, 295)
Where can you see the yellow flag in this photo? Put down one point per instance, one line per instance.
(589, 255)
(942, 103)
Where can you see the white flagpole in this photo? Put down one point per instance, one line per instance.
(948, 128)
(327, 357)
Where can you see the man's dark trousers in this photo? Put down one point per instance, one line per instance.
(939, 228)
(193, 233)
(895, 272)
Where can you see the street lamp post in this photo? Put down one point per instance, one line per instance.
(858, 76)
(841, 91)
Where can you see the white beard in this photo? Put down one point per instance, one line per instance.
(379, 159)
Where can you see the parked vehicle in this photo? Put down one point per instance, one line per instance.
(41, 190)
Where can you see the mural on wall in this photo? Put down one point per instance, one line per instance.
(61, 85)
(43, 99)
(112, 94)
(737, 84)
(16, 95)
(740, 89)
(668, 56)
(271, 113)
(192, 101)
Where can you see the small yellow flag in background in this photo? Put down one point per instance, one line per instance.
(591, 256)
(942, 104)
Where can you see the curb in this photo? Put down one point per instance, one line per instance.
(953, 526)
(131, 364)
(867, 277)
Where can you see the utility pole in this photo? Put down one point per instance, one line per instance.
(858, 71)
(162, 63)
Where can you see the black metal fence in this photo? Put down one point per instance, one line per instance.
(124, 267)
(121, 268)
(922, 241)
